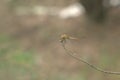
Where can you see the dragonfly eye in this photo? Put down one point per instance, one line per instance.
(63, 38)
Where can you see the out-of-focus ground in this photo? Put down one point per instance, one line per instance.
(30, 47)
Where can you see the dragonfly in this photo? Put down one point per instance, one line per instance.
(65, 37)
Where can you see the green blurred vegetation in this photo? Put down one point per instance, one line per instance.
(15, 64)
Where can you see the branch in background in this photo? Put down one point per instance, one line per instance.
(71, 11)
(95, 10)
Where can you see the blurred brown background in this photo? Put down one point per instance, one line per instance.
(30, 47)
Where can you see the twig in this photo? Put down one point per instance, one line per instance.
(69, 52)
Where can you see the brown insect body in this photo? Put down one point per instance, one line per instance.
(65, 37)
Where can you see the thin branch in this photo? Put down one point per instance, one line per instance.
(72, 54)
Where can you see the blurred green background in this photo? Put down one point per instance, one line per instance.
(30, 47)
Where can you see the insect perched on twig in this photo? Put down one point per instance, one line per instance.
(65, 37)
